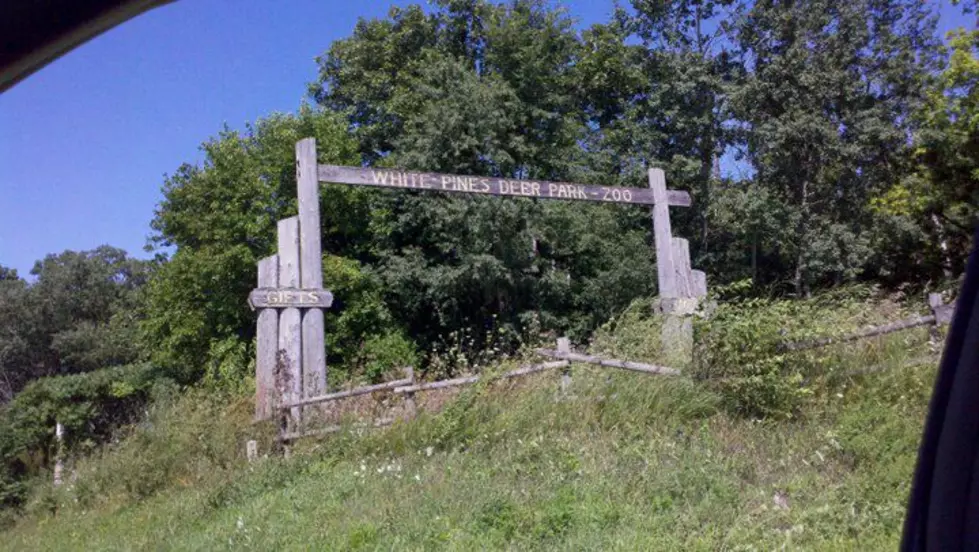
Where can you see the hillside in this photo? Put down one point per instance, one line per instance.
(626, 461)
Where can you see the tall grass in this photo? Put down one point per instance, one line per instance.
(624, 461)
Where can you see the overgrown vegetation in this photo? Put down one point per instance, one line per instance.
(625, 461)
(741, 347)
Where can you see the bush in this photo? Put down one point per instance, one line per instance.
(739, 349)
(90, 406)
(633, 334)
(198, 437)
(737, 352)
(230, 367)
(382, 354)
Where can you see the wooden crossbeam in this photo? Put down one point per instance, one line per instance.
(486, 185)
(467, 380)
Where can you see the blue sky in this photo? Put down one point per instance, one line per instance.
(85, 142)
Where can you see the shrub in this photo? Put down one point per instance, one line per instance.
(383, 353)
(739, 350)
(90, 406)
(182, 442)
(230, 366)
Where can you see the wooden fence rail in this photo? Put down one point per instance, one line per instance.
(349, 393)
(872, 331)
(285, 437)
(941, 314)
(407, 387)
(468, 380)
(610, 362)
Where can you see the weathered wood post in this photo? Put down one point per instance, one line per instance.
(289, 357)
(311, 268)
(942, 312)
(680, 287)
(291, 352)
(411, 409)
(564, 347)
(662, 235)
(267, 345)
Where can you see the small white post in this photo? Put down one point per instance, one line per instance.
(935, 303)
(564, 346)
(59, 461)
(251, 450)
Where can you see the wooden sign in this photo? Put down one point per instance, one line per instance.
(291, 353)
(283, 298)
(391, 178)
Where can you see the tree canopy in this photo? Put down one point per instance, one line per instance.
(80, 314)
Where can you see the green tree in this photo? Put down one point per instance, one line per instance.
(655, 82)
(79, 315)
(827, 111)
(19, 338)
(221, 218)
(937, 204)
(484, 89)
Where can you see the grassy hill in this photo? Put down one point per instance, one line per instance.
(627, 461)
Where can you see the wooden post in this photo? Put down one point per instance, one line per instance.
(681, 267)
(268, 343)
(311, 268)
(564, 346)
(674, 275)
(59, 458)
(411, 409)
(289, 357)
(251, 450)
(662, 234)
(698, 284)
(935, 303)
